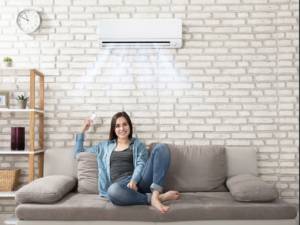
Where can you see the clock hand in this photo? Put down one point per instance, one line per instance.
(25, 18)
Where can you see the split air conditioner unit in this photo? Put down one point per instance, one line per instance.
(140, 33)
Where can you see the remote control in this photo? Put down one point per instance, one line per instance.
(93, 117)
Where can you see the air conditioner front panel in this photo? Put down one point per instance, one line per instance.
(122, 32)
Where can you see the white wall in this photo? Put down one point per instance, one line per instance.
(234, 82)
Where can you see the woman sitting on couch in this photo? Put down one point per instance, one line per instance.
(127, 176)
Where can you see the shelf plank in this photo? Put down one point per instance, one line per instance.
(21, 110)
(25, 152)
(7, 194)
(16, 68)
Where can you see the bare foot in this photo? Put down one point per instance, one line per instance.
(170, 195)
(158, 205)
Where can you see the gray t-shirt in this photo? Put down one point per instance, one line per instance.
(121, 164)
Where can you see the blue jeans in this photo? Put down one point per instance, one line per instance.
(153, 177)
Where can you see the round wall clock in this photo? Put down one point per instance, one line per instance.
(29, 20)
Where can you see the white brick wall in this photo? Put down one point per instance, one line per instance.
(234, 82)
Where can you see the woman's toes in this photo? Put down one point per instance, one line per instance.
(170, 195)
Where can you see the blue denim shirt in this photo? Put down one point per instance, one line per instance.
(103, 151)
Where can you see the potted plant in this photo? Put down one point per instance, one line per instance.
(22, 101)
(7, 61)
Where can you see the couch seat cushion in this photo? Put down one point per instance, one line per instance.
(191, 206)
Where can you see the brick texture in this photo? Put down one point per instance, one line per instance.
(234, 82)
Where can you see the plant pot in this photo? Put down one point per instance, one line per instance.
(8, 64)
(22, 104)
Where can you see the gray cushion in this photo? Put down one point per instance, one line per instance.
(241, 160)
(196, 168)
(63, 159)
(191, 206)
(47, 189)
(248, 188)
(87, 173)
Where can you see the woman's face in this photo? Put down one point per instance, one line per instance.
(122, 128)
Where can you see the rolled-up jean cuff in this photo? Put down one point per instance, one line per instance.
(156, 187)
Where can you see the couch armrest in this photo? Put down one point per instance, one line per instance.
(47, 189)
(249, 188)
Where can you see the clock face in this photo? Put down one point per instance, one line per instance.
(28, 20)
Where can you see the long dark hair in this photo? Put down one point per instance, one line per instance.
(112, 133)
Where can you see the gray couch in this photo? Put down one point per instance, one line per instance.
(202, 175)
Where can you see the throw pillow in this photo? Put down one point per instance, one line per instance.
(47, 189)
(249, 188)
(87, 173)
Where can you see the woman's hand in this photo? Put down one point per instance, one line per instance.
(132, 185)
(87, 124)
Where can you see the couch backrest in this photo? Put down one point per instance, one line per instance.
(241, 160)
(196, 168)
(62, 161)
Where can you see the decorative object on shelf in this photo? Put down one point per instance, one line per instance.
(22, 101)
(17, 140)
(7, 61)
(29, 20)
(9, 179)
(4, 99)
